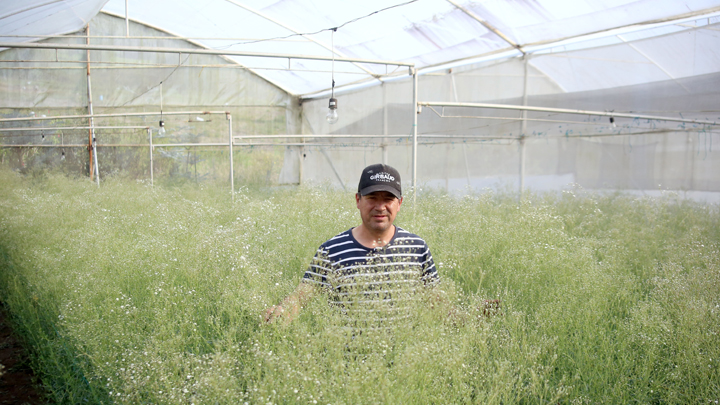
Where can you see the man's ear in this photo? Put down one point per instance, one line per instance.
(357, 198)
(400, 202)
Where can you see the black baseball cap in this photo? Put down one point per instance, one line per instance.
(380, 177)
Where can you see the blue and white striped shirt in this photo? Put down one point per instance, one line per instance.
(379, 281)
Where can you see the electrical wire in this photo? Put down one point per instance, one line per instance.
(317, 32)
(155, 86)
(333, 29)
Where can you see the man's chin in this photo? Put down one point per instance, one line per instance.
(380, 226)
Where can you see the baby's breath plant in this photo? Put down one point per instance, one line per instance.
(132, 294)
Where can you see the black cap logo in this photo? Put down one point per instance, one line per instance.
(380, 177)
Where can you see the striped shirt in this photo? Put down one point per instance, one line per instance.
(375, 284)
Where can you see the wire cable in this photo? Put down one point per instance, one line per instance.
(317, 32)
(155, 86)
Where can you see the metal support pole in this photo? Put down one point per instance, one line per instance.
(523, 128)
(152, 180)
(230, 144)
(332, 166)
(91, 131)
(97, 169)
(521, 157)
(301, 164)
(467, 166)
(385, 125)
(127, 20)
(415, 142)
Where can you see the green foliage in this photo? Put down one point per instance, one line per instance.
(133, 294)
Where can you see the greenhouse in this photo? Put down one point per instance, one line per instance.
(534, 96)
(169, 168)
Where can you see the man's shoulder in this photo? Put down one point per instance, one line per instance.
(409, 238)
(342, 237)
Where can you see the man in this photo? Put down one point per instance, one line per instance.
(375, 267)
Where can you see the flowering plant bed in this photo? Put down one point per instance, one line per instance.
(131, 294)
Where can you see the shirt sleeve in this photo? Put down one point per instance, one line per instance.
(429, 271)
(319, 270)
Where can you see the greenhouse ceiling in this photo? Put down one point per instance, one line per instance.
(606, 42)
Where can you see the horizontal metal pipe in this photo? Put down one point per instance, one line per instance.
(157, 37)
(115, 65)
(370, 136)
(439, 136)
(224, 145)
(159, 145)
(196, 51)
(427, 136)
(116, 145)
(651, 132)
(317, 136)
(76, 145)
(487, 25)
(66, 128)
(300, 144)
(563, 111)
(285, 144)
(140, 114)
(344, 144)
(468, 136)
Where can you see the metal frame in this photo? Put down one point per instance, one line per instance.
(564, 111)
(127, 48)
(117, 48)
(525, 108)
(149, 130)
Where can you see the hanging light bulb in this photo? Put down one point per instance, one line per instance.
(161, 131)
(332, 115)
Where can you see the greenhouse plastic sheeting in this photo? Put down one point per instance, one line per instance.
(432, 34)
(480, 148)
(61, 84)
(42, 17)
(429, 33)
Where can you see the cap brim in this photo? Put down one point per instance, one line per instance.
(380, 187)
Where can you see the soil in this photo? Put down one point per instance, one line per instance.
(18, 385)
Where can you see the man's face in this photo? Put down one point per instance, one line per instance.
(378, 210)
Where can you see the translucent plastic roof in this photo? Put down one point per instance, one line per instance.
(432, 34)
(44, 17)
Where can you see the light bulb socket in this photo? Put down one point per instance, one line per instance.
(162, 124)
(333, 104)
